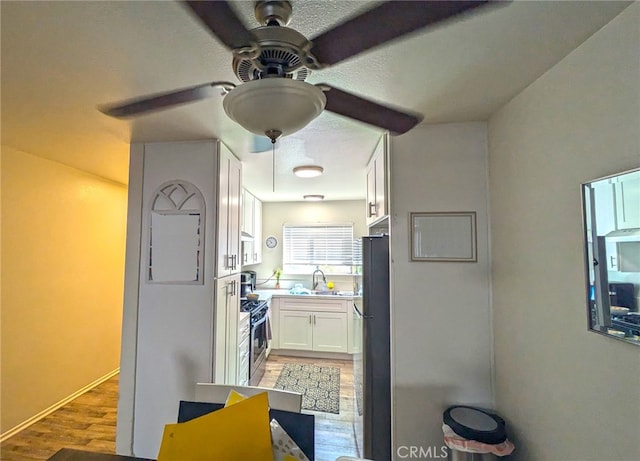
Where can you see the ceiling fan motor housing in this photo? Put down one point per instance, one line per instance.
(283, 53)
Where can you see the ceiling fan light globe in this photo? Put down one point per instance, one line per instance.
(274, 104)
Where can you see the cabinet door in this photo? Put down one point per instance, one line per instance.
(223, 290)
(371, 193)
(605, 206)
(257, 231)
(296, 330)
(330, 332)
(247, 211)
(235, 191)
(247, 226)
(224, 260)
(381, 178)
(627, 204)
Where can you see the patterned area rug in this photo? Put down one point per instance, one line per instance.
(319, 386)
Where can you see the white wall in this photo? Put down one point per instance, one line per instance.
(275, 214)
(441, 332)
(567, 394)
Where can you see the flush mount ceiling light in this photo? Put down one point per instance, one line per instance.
(313, 197)
(274, 106)
(308, 171)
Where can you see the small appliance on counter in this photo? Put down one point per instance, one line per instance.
(247, 283)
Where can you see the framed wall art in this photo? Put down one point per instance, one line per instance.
(443, 236)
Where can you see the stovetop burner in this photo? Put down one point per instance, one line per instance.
(250, 306)
(632, 317)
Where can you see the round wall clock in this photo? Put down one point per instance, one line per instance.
(271, 242)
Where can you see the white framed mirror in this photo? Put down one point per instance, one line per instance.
(611, 212)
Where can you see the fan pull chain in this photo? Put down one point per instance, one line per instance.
(273, 135)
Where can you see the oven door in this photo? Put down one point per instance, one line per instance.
(258, 348)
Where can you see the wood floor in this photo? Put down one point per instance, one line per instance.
(334, 432)
(86, 423)
(89, 422)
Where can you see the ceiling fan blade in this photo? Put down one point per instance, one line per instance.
(220, 19)
(381, 24)
(355, 107)
(163, 100)
(260, 144)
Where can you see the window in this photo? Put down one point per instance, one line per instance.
(329, 246)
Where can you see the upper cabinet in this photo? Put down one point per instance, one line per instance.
(229, 190)
(377, 183)
(627, 191)
(616, 200)
(251, 229)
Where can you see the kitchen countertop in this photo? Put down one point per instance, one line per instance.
(284, 293)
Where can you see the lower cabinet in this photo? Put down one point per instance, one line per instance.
(226, 329)
(244, 335)
(313, 325)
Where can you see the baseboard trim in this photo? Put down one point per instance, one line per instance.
(312, 354)
(34, 419)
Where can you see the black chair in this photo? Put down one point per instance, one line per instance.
(299, 426)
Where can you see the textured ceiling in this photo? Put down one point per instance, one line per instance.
(62, 59)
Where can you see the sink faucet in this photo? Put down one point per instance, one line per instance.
(315, 283)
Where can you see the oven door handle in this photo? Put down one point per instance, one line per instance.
(259, 322)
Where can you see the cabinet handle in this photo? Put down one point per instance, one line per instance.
(234, 288)
(246, 257)
(372, 209)
(314, 319)
(612, 260)
(255, 257)
(309, 319)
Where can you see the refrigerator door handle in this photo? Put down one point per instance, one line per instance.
(360, 314)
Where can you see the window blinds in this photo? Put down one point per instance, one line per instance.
(318, 245)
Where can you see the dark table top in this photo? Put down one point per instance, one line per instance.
(68, 454)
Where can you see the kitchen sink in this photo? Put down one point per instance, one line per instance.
(330, 293)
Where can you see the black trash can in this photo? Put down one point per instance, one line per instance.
(475, 425)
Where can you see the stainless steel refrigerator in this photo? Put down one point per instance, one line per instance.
(372, 368)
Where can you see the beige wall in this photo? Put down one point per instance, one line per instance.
(441, 318)
(275, 214)
(567, 394)
(63, 237)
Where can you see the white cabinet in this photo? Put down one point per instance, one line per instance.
(244, 334)
(627, 191)
(313, 325)
(330, 333)
(296, 330)
(377, 185)
(257, 231)
(251, 228)
(226, 329)
(229, 190)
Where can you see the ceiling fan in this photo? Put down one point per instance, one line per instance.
(273, 62)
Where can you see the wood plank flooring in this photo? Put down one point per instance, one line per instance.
(86, 423)
(89, 422)
(334, 432)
